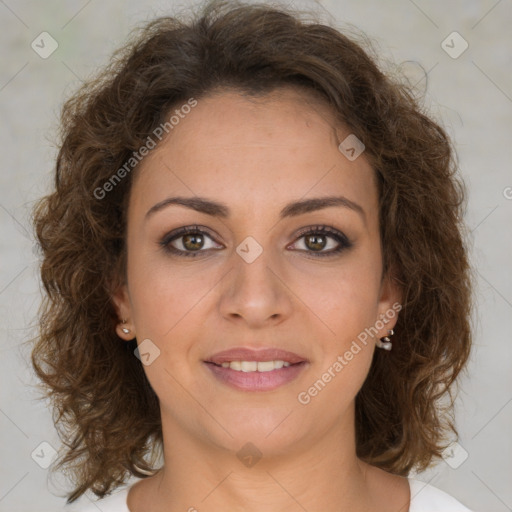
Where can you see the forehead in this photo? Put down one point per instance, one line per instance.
(276, 147)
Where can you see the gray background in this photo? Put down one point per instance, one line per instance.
(470, 95)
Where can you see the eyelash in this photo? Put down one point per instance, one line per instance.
(343, 241)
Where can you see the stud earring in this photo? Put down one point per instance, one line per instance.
(385, 342)
(125, 329)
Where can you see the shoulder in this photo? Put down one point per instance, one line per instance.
(427, 498)
(114, 502)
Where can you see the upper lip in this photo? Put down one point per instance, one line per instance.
(248, 354)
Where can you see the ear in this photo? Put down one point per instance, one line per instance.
(125, 328)
(390, 303)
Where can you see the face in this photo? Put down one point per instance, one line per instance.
(257, 265)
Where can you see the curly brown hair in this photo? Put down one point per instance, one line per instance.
(104, 407)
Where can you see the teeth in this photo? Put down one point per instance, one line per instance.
(253, 366)
(267, 366)
(249, 366)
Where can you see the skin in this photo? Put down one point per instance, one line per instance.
(257, 155)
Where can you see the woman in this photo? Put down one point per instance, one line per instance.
(255, 269)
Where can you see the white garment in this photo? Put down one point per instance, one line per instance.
(424, 498)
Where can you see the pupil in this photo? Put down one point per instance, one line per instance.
(193, 238)
(315, 244)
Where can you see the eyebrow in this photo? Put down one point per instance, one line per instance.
(216, 209)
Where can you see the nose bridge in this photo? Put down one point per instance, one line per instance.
(254, 288)
(252, 264)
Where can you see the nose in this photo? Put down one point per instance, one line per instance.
(255, 292)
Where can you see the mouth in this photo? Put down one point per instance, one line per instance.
(254, 366)
(249, 355)
(255, 370)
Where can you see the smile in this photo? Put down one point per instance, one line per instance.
(255, 375)
(255, 366)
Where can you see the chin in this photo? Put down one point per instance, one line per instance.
(268, 433)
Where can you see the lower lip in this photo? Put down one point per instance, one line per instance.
(256, 381)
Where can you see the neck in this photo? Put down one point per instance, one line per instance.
(324, 474)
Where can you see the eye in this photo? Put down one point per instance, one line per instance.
(187, 241)
(315, 240)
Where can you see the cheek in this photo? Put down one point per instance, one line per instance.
(169, 305)
(344, 355)
(345, 297)
(167, 310)
(161, 295)
(346, 302)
